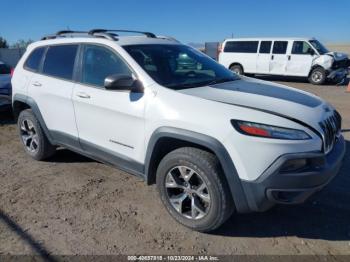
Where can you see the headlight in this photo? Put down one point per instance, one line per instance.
(268, 131)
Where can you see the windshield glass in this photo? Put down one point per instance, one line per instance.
(179, 66)
(319, 47)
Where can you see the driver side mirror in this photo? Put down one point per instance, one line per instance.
(123, 82)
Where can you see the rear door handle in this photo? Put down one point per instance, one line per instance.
(36, 83)
(289, 57)
(83, 95)
(272, 57)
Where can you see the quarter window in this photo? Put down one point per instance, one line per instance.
(59, 61)
(34, 59)
(301, 48)
(265, 47)
(241, 46)
(280, 47)
(100, 62)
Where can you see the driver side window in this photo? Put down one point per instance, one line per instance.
(301, 48)
(100, 62)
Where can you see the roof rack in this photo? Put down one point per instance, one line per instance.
(62, 33)
(103, 33)
(148, 34)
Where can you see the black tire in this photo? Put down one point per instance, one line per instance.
(38, 146)
(237, 69)
(317, 76)
(207, 166)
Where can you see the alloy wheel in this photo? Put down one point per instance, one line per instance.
(29, 136)
(187, 192)
(316, 76)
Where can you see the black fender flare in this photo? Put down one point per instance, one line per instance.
(36, 111)
(230, 172)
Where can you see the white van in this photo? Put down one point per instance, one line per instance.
(302, 57)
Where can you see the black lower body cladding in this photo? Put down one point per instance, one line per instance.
(275, 186)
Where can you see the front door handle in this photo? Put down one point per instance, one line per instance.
(289, 57)
(36, 83)
(83, 95)
(272, 57)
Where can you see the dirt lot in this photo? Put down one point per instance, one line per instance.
(74, 205)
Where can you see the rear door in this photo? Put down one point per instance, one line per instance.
(279, 58)
(264, 57)
(52, 87)
(300, 59)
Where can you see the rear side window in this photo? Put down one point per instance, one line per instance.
(59, 61)
(280, 47)
(241, 46)
(100, 62)
(34, 59)
(265, 47)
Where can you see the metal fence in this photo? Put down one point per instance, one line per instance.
(11, 56)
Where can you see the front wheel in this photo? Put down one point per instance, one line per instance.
(317, 76)
(192, 188)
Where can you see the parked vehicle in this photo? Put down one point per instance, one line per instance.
(302, 57)
(213, 142)
(5, 85)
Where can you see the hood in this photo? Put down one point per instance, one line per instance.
(337, 55)
(269, 97)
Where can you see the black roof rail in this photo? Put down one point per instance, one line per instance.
(63, 32)
(109, 36)
(148, 34)
(105, 33)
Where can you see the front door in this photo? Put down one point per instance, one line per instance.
(110, 122)
(300, 59)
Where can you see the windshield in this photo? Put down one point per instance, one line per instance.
(179, 66)
(319, 47)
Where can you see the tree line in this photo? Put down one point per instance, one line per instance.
(19, 44)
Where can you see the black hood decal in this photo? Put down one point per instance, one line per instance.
(270, 91)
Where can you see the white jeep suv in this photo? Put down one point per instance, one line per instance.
(213, 142)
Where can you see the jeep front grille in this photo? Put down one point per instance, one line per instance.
(331, 127)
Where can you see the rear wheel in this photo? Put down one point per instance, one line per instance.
(317, 76)
(237, 69)
(32, 136)
(192, 189)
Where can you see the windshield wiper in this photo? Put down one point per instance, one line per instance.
(203, 83)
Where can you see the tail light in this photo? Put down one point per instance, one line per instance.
(12, 71)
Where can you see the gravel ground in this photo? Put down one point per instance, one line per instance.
(74, 205)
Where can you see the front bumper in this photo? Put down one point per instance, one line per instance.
(275, 187)
(338, 74)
